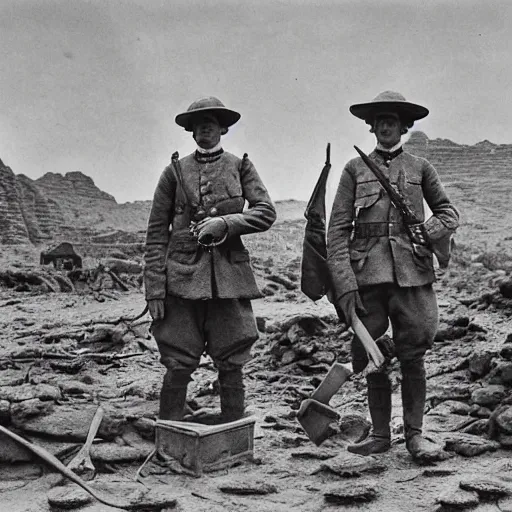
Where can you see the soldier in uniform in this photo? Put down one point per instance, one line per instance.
(198, 279)
(378, 273)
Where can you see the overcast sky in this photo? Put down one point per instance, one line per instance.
(94, 85)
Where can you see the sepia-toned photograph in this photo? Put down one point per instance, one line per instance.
(255, 256)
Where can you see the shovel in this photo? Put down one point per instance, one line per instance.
(82, 464)
(315, 415)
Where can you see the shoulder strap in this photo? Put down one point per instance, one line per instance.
(177, 170)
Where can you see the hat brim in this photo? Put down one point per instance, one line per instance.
(225, 116)
(367, 111)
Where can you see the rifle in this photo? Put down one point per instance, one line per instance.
(413, 224)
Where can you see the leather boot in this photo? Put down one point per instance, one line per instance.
(174, 394)
(379, 403)
(414, 391)
(232, 395)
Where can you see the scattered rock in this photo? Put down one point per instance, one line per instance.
(312, 453)
(486, 488)
(458, 498)
(460, 321)
(353, 427)
(323, 356)
(505, 441)
(248, 487)
(477, 428)
(68, 497)
(351, 492)
(11, 451)
(28, 409)
(347, 465)
(450, 333)
(70, 422)
(434, 472)
(478, 411)
(504, 420)
(113, 452)
(505, 288)
(443, 392)
(469, 445)
(451, 407)
(74, 387)
(480, 364)
(501, 373)
(489, 395)
(506, 351)
(28, 391)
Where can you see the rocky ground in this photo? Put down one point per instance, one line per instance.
(67, 346)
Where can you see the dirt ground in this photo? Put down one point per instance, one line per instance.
(289, 471)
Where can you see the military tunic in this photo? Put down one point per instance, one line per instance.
(201, 283)
(369, 250)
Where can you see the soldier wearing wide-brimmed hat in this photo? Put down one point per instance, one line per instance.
(198, 279)
(380, 274)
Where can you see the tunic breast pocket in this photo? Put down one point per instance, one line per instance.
(367, 194)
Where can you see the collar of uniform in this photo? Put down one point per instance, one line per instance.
(207, 157)
(389, 154)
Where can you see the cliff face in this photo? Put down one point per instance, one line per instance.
(55, 206)
(13, 228)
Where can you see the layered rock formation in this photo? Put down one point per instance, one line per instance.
(55, 207)
(478, 180)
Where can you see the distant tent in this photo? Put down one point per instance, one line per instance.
(63, 256)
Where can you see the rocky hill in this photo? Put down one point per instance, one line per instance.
(56, 206)
(478, 179)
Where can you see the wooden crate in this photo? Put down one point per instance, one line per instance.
(201, 448)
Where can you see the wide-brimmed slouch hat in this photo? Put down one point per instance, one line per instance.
(389, 101)
(225, 116)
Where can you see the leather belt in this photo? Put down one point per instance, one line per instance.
(377, 229)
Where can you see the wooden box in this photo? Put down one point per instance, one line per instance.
(200, 448)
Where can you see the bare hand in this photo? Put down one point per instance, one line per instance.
(156, 308)
(210, 230)
(350, 304)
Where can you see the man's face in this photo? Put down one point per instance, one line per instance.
(388, 130)
(206, 131)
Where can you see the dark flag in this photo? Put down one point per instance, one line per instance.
(315, 280)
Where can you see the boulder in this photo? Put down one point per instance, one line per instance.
(458, 498)
(489, 395)
(480, 364)
(501, 373)
(353, 427)
(348, 465)
(28, 391)
(486, 488)
(469, 445)
(504, 420)
(351, 492)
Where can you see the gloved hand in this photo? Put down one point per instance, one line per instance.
(350, 304)
(156, 308)
(210, 230)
